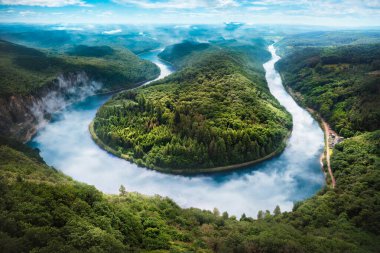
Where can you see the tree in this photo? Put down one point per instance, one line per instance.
(243, 217)
(260, 215)
(277, 211)
(122, 190)
(225, 215)
(216, 211)
(177, 117)
(267, 214)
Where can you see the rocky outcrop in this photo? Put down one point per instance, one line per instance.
(22, 115)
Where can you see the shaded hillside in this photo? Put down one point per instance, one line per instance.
(341, 83)
(216, 111)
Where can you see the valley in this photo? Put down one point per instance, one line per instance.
(192, 145)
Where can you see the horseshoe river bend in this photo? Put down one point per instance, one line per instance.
(294, 175)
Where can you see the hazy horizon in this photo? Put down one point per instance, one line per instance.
(325, 13)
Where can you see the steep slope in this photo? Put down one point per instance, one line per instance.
(341, 83)
(214, 112)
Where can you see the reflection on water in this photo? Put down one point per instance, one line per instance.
(294, 175)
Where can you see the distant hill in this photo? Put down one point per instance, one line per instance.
(327, 38)
(177, 52)
(60, 39)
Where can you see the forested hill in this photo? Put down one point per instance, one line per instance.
(23, 69)
(189, 53)
(327, 38)
(341, 83)
(42, 210)
(216, 111)
(176, 54)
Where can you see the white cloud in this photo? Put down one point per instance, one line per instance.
(45, 3)
(112, 31)
(26, 13)
(180, 4)
(67, 28)
(320, 8)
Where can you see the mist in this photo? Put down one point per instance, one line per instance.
(66, 89)
(66, 144)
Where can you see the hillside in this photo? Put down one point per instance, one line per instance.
(42, 210)
(57, 38)
(24, 70)
(341, 83)
(327, 38)
(215, 111)
(177, 53)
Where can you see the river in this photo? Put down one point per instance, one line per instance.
(65, 143)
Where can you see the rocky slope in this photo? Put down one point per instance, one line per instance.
(35, 83)
(22, 115)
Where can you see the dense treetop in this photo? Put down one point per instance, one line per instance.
(216, 110)
(23, 69)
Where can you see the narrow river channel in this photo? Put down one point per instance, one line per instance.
(65, 143)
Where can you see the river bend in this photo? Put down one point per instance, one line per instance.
(66, 144)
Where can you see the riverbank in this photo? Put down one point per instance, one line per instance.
(219, 169)
(325, 156)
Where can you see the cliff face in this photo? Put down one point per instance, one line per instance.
(22, 115)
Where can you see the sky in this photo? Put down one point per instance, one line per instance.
(350, 13)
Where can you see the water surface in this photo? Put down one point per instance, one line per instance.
(65, 143)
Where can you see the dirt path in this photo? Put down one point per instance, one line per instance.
(328, 133)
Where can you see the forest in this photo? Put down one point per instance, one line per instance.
(23, 70)
(215, 111)
(42, 210)
(341, 83)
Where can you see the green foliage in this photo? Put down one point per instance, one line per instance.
(42, 210)
(216, 111)
(23, 70)
(341, 83)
